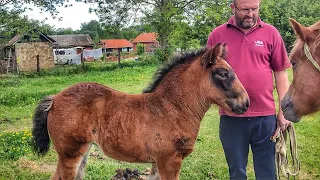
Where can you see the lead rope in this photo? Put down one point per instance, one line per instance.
(282, 162)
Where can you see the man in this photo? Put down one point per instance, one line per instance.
(256, 52)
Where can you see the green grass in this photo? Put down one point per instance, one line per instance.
(20, 95)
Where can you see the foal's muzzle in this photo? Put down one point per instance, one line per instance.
(239, 108)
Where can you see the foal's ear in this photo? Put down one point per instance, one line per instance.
(212, 54)
(301, 31)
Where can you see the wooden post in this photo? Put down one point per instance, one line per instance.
(104, 50)
(119, 56)
(82, 60)
(38, 64)
(10, 60)
(15, 60)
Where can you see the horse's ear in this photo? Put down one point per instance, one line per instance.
(301, 31)
(214, 53)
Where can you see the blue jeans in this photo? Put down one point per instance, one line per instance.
(237, 133)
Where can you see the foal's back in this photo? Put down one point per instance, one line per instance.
(120, 123)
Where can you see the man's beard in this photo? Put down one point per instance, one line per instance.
(245, 25)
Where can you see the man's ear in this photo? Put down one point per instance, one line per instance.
(233, 8)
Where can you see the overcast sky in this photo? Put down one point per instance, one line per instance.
(72, 16)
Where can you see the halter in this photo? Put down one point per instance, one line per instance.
(309, 56)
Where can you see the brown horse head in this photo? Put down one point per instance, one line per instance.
(303, 96)
(228, 91)
(205, 76)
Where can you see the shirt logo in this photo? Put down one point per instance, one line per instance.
(259, 43)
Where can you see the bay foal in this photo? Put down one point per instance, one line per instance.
(159, 126)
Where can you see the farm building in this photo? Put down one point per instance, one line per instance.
(73, 41)
(148, 39)
(30, 51)
(68, 48)
(113, 45)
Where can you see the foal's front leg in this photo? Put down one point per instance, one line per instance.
(154, 175)
(169, 167)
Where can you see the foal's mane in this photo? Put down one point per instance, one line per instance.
(172, 64)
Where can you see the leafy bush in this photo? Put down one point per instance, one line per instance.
(140, 49)
(163, 56)
(152, 60)
(14, 145)
(159, 54)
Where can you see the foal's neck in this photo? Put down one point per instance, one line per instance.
(182, 91)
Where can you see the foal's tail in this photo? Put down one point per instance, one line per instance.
(40, 137)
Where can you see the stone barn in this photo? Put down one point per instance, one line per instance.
(31, 51)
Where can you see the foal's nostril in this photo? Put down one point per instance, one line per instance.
(247, 104)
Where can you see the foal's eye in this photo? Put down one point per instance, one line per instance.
(223, 75)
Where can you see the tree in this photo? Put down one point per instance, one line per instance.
(160, 14)
(278, 14)
(130, 33)
(12, 23)
(168, 18)
(64, 31)
(45, 5)
(93, 28)
(192, 30)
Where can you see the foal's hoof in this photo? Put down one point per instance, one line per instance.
(153, 175)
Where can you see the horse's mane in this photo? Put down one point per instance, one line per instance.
(166, 68)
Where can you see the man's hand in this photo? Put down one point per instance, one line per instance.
(282, 123)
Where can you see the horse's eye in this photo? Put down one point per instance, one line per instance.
(293, 64)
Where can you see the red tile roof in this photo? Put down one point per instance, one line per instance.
(145, 37)
(116, 43)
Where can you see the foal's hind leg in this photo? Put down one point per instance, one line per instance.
(70, 159)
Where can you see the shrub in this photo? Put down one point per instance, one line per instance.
(159, 54)
(140, 49)
(151, 59)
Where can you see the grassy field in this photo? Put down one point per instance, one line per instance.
(19, 96)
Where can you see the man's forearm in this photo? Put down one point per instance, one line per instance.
(282, 85)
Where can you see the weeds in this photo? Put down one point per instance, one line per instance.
(14, 145)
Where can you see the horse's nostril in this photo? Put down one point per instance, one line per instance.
(286, 106)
